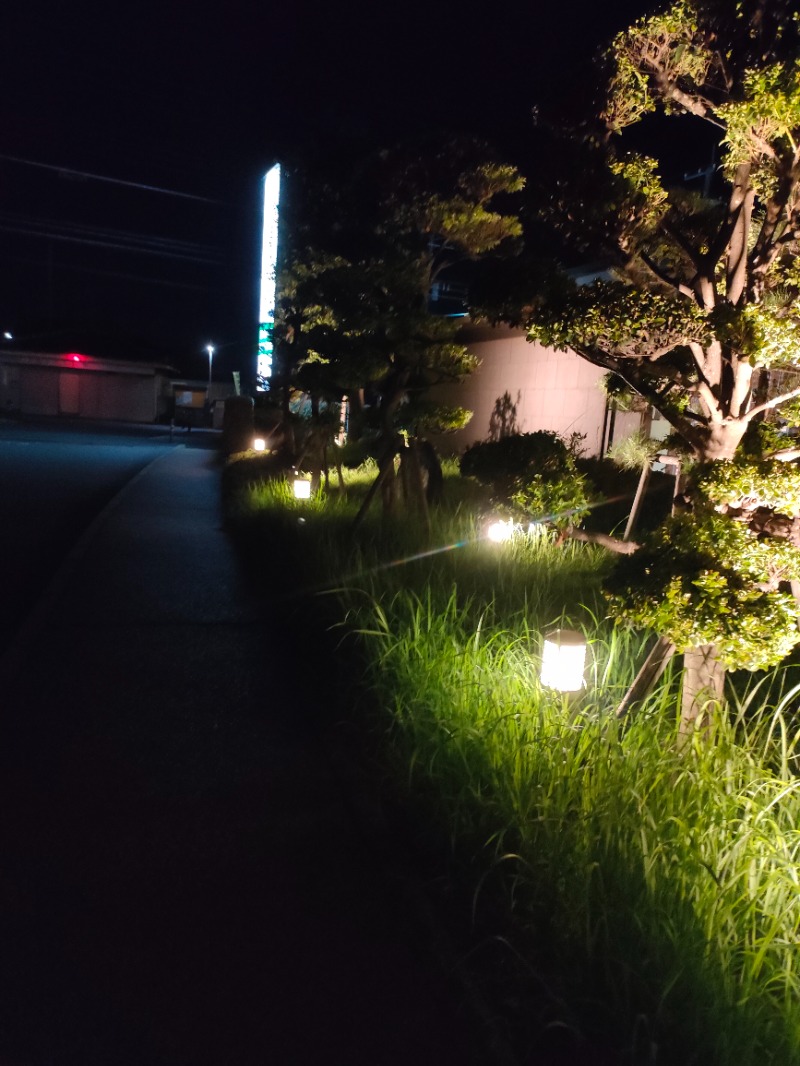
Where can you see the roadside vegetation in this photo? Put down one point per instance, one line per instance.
(618, 897)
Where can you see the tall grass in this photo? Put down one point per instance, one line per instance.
(654, 891)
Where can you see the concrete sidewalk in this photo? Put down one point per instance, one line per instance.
(182, 880)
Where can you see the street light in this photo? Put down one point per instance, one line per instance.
(210, 350)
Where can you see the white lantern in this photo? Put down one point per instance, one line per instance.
(259, 444)
(302, 489)
(563, 660)
(499, 531)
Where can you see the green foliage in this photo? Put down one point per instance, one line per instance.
(619, 393)
(772, 339)
(707, 289)
(615, 318)
(462, 220)
(561, 501)
(746, 483)
(767, 114)
(503, 462)
(670, 42)
(633, 451)
(698, 580)
(643, 201)
(354, 311)
(420, 417)
(534, 471)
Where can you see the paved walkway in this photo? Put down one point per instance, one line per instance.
(182, 880)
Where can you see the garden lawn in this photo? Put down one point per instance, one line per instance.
(619, 898)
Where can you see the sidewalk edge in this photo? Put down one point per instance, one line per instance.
(34, 620)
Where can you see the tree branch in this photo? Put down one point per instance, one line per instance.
(675, 234)
(785, 455)
(766, 245)
(621, 547)
(662, 275)
(776, 401)
(709, 401)
(683, 423)
(740, 208)
(697, 105)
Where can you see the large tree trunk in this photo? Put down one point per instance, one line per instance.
(416, 484)
(703, 683)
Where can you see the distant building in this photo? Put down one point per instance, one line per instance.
(520, 387)
(84, 386)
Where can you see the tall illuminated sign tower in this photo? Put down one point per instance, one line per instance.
(269, 265)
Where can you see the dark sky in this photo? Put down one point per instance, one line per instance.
(200, 99)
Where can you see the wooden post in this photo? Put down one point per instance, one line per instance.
(649, 673)
(638, 500)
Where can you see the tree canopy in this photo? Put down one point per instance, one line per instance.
(698, 308)
(355, 315)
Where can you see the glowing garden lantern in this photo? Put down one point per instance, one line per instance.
(499, 531)
(259, 444)
(302, 489)
(563, 660)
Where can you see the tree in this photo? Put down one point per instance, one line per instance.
(356, 319)
(700, 318)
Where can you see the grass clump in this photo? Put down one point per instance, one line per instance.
(646, 899)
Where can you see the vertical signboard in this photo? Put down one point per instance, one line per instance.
(269, 263)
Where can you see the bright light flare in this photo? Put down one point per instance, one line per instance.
(302, 489)
(563, 660)
(499, 531)
(259, 444)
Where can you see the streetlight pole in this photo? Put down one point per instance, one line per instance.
(210, 350)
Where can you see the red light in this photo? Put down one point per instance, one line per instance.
(74, 357)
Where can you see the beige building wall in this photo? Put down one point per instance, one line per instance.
(46, 384)
(520, 387)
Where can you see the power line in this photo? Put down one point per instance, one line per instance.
(67, 171)
(108, 238)
(37, 223)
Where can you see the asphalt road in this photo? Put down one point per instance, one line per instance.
(54, 479)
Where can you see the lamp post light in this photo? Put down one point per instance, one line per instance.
(563, 660)
(210, 350)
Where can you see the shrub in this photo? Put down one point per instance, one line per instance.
(535, 472)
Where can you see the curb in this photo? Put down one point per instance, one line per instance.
(34, 620)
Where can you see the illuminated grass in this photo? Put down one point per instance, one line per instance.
(653, 895)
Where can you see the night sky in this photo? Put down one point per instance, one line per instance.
(200, 99)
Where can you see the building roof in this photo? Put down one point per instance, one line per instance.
(87, 363)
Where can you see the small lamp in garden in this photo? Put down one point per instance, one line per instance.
(302, 488)
(563, 660)
(259, 444)
(499, 531)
